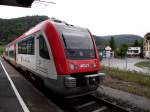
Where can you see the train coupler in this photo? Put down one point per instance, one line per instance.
(94, 79)
(70, 82)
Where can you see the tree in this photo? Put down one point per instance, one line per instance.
(112, 44)
(1, 50)
(122, 50)
(13, 28)
(141, 43)
(136, 43)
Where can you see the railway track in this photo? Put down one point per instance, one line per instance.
(84, 103)
(91, 103)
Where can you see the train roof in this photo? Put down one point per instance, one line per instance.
(57, 23)
(30, 31)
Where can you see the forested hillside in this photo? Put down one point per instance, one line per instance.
(12, 28)
(119, 39)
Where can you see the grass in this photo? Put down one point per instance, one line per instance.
(143, 64)
(1, 50)
(133, 89)
(129, 81)
(130, 76)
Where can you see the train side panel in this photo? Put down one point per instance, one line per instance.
(44, 51)
(26, 57)
(44, 59)
(31, 56)
(10, 53)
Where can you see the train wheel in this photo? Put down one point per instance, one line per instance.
(27, 75)
(32, 77)
(39, 82)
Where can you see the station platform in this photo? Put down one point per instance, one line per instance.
(22, 96)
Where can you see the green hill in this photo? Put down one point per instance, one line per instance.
(119, 39)
(12, 28)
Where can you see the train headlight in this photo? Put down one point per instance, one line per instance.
(94, 65)
(73, 66)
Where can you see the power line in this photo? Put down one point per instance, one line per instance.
(41, 1)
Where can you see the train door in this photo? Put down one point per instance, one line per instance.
(44, 61)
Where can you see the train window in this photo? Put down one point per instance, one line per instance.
(78, 40)
(30, 46)
(6, 53)
(43, 50)
(77, 44)
(26, 46)
(11, 53)
(19, 48)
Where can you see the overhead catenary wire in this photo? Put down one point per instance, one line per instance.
(44, 2)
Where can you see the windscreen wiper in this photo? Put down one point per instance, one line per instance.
(64, 40)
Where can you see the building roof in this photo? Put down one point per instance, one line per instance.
(108, 48)
(147, 36)
(101, 47)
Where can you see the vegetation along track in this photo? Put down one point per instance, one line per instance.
(91, 103)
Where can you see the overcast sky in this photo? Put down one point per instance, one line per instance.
(102, 17)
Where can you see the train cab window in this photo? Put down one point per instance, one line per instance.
(43, 50)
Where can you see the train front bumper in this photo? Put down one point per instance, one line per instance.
(87, 80)
(70, 86)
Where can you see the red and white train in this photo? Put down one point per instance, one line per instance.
(64, 57)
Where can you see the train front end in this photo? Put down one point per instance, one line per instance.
(81, 70)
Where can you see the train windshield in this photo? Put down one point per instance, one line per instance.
(78, 44)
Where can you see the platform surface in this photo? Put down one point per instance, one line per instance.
(34, 100)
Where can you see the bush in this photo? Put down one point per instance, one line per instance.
(121, 52)
(130, 76)
(1, 50)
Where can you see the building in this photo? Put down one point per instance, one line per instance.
(101, 50)
(109, 52)
(146, 46)
(134, 51)
(105, 51)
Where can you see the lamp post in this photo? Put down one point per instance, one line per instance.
(126, 62)
(126, 59)
(108, 51)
